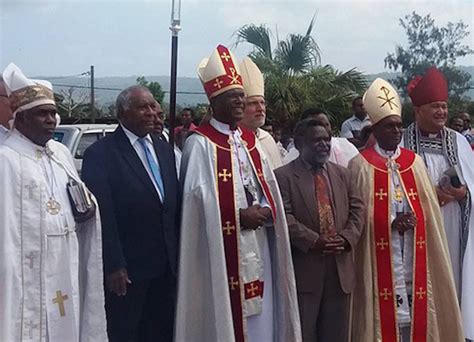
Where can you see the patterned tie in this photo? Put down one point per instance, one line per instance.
(154, 167)
(326, 216)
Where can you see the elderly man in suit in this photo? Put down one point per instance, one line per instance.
(134, 179)
(324, 214)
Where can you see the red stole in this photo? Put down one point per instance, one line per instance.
(230, 226)
(382, 246)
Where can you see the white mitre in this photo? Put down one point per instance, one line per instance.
(24, 93)
(381, 100)
(252, 78)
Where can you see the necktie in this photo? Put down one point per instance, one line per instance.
(326, 216)
(154, 167)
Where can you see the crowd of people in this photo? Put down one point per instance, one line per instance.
(234, 234)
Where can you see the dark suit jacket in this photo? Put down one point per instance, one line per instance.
(139, 232)
(299, 198)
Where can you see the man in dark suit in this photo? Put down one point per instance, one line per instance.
(324, 214)
(134, 180)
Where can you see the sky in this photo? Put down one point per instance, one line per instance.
(124, 38)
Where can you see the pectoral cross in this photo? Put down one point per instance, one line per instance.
(381, 194)
(31, 258)
(31, 187)
(398, 194)
(233, 283)
(382, 244)
(31, 326)
(228, 228)
(252, 289)
(224, 175)
(385, 294)
(421, 293)
(60, 301)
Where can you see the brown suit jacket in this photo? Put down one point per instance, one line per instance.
(297, 189)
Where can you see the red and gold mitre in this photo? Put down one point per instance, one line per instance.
(24, 93)
(219, 73)
(432, 87)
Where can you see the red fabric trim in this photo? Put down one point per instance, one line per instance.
(420, 267)
(405, 160)
(253, 289)
(383, 256)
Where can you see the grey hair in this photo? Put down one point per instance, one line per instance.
(122, 103)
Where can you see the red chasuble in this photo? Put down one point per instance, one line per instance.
(382, 234)
(228, 210)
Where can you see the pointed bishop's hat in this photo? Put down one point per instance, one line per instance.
(381, 100)
(220, 72)
(252, 78)
(24, 93)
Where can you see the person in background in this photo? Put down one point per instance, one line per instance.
(456, 123)
(187, 117)
(352, 127)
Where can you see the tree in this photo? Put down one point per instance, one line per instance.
(154, 87)
(294, 80)
(71, 105)
(430, 45)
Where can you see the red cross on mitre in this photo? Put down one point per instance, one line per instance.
(227, 81)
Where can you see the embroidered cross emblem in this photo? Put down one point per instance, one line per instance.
(60, 301)
(252, 289)
(412, 194)
(385, 294)
(382, 244)
(228, 228)
(218, 83)
(387, 98)
(421, 293)
(421, 243)
(31, 257)
(224, 175)
(31, 187)
(225, 56)
(234, 78)
(381, 194)
(233, 283)
(31, 326)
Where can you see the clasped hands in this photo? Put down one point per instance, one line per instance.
(404, 222)
(330, 243)
(254, 217)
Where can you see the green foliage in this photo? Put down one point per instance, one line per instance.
(294, 80)
(154, 87)
(428, 45)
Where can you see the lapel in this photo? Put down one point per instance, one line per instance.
(134, 162)
(337, 188)
(305, 182)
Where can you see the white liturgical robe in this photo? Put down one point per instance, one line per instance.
(51, 286)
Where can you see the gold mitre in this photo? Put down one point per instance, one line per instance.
(219, 73)
(252, 78)
(24, 93)
(381, 100)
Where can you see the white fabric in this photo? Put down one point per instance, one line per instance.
(41, 253)
(342, 151)
(203, 306)
(252, 78)
(353, 124)
(133, 138)
(381, 100)
(270, 148)
(464, 279)
(3, 134)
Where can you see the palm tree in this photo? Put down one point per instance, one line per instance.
(294, 78)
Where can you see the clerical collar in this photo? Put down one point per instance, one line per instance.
(387, 154)
(428, 134)
(224, 128)
(22, 144)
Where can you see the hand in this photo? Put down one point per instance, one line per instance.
(330, 243)
(267, 212)
(457, 193)
(253, 217)
(443, 196)
(117, 281)
(83, 217)
(404, 222)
